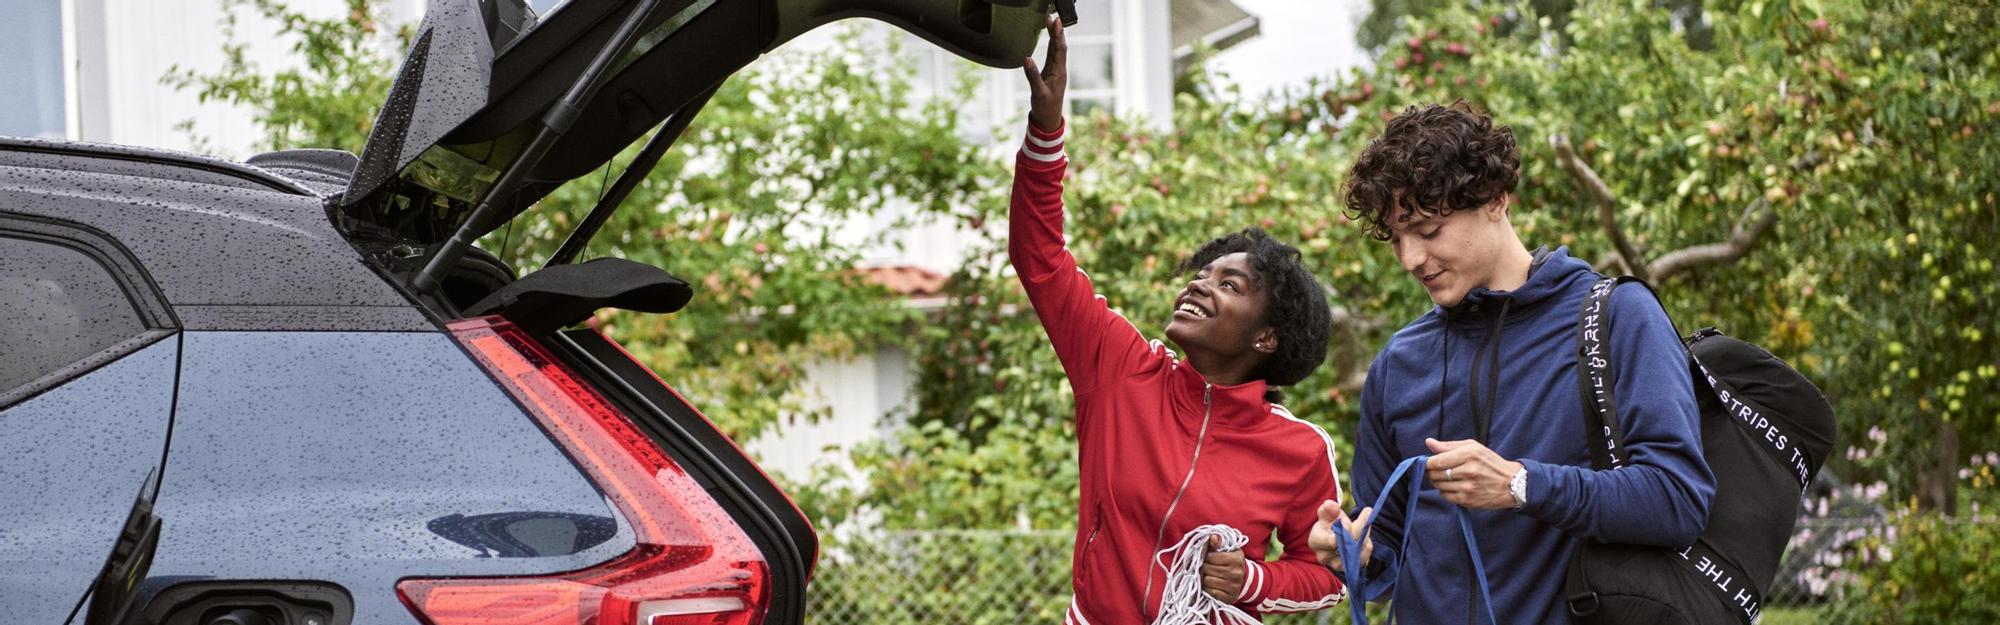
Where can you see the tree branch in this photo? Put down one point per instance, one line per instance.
(1743, 237)
(1749, 230)
(1607, 207)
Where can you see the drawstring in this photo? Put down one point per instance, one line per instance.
(1483, 418)
(1483, 414)
(1488, 352)
(1444, 377)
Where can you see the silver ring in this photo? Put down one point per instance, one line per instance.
(1447, 474)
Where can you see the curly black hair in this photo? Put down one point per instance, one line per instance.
(1432, 160)
(1297, 306)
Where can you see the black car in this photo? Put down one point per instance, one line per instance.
(291, 391)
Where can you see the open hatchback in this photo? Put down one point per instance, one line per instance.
(494, 108)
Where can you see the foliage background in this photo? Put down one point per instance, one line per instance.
(1865, 129)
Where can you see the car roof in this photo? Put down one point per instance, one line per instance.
(230, 246)
(137, 161)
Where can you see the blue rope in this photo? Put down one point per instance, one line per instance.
(1350, 547)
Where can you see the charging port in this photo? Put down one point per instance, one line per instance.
(251, 603)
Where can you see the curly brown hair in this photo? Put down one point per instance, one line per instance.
(1297, 307)
(1433, 160)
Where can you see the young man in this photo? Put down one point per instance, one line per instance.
(1166, 444)
(1487, 383)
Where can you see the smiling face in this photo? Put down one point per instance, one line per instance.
(1452, 254)
(1220, 313)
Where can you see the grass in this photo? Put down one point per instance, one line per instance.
(1791, 615)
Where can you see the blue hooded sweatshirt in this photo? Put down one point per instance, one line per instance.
(1512, 356)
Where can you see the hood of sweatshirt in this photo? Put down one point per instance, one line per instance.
(1551, 275)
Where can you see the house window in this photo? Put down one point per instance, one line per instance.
(34, 85)
(1092, 79)
(998, 104)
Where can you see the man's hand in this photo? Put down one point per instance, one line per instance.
(1326, 546)
(1222, 572)
(1470, 475)
(1047, 85)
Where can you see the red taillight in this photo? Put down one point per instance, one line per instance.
(812, 558)
(693, 563)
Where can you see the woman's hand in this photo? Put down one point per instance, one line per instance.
(1222, 572)
(1047, 85)
(1326, 547)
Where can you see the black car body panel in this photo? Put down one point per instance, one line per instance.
(313, 456)
(71, 459)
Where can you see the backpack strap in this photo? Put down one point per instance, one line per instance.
(1607, 451)
(1596, 373)
(1749, 415)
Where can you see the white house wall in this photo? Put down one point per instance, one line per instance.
(857, 393)
(124, 47)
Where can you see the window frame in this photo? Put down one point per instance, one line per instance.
(155, 315)
(72, 80)
(1106, 95)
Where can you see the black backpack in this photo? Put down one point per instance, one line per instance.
(1765, 430)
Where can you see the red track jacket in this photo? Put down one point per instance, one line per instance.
(1139, 413)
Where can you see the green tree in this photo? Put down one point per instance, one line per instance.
(1820, 182)
(1384, 24)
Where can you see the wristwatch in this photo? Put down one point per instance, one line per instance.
(1519, 487)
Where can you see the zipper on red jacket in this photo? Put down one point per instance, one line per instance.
(1096, 523)
(1207, 410)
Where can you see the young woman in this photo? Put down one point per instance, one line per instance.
(1172, 442)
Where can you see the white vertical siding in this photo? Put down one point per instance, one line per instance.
(862, 394)
(124, 47)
